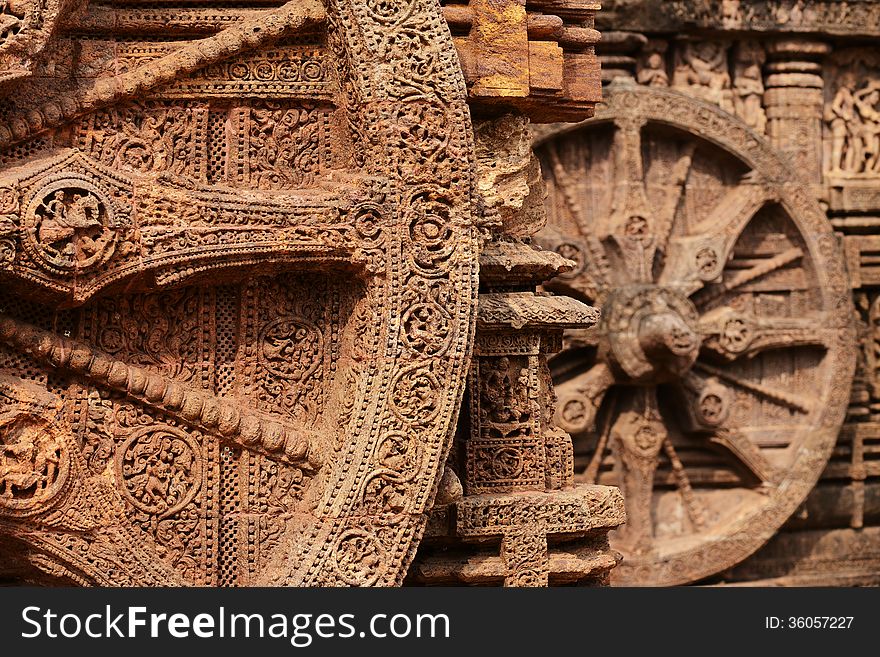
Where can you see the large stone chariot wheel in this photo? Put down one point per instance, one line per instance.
(272, 304)
(714, 387)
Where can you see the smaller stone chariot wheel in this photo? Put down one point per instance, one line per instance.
(714, 387)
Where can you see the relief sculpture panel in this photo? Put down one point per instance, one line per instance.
(240, 302)
(264, 344)
(722, 208)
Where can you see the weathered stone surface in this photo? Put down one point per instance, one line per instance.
(705, 287)
(238, 255)
(757, 431)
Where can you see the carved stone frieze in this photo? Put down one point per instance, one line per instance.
(223, 392)
(239, 252)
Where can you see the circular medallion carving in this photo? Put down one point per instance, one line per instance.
(264, 71)
(290, 348)
(573, 252)
(34, 463)
(507, 463)
(160, 469)
(708, 264)
(358, 558)
(239, 71)
(368, 220)
(430, 231)
(736, 334)
(312, 71)
(426, 328)
(415, 396)
(400, 454)
(713, 405)
(8, 200)
(388, 12)
(70, 225)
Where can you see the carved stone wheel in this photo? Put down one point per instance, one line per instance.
(259, 374)
(714, 387)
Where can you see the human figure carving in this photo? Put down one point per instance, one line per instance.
(748, 85)
(866, 101)
(853, 118)
(652, 66)
(841, 118)
(701, 67)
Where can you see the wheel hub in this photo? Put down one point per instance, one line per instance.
(648, 334)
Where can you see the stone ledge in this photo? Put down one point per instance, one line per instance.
(572, 511)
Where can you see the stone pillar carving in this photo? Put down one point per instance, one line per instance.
(793, 102)
(513, 444)
(538, 58)
(617, 54)
(516, 463)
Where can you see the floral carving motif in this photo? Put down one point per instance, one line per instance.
(285, 146)
(8, 200)
(290, 348)
(146, 138)
(430, 230)
(388, 11)
(160, 330)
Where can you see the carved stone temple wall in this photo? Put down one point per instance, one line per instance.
(308, 293)
(269, 305)
(723, 209)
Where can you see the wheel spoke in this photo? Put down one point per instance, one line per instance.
(747, 276)
(629, 176)
(637, 436)
(591, 473)
(674, 191)
(632, 224)
(580, 398)
(710, 413)
(746, 452)
(595, 261)
(699, 258)
(732, 335)
(695, 509)
(781, 397)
